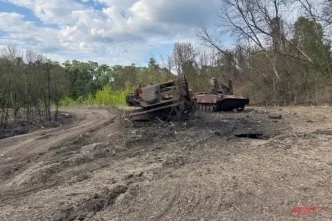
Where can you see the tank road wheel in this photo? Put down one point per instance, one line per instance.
(240, 108)
(211, 108)
(214, 108)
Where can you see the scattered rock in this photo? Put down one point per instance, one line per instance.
(304, 188)
(133, 131)
(287, 147)
(130, 176)
(217, 133)
(174, 161)
(81, 177)
(250, 135)
(67, 115)
(275, 117)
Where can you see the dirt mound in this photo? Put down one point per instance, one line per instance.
(89, 207)
(24, 127)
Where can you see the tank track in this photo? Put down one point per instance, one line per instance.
(208, 107)
(215, 107)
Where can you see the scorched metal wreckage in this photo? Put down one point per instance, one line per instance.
(173, 99)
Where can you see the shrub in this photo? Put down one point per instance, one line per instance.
(106, 96)
(66, 101)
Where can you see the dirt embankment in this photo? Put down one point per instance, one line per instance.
(220, 166)
(27, 126)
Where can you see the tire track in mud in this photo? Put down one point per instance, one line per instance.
(19, 151)
(41, 141)
(170, 204)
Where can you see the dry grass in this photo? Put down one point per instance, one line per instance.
(194, 174)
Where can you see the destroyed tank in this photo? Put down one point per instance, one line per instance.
(161, 100)
(219, 102)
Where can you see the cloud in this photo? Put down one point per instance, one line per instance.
(121, 3)
(80, 29)
(176, 12)
(27, 33)
(50, 12)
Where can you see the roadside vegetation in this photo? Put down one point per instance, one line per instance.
(277, 60)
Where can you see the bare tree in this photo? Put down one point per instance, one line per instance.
(262, 25)
(257, 22)
(183, 53)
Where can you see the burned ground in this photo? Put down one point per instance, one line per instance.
(215, 166)
(21, 127)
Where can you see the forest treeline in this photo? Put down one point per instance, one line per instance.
(33, 86)
(277, 59)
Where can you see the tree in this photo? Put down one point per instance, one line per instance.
(81, 78)
(308, 35)
(183, 53)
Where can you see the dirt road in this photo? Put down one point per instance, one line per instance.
(41, 141)
(219, 166)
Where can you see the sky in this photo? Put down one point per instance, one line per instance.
(107, 31)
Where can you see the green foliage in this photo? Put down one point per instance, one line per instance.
(66, 101)
(105, 96)
(90, 100)
(309, 36)
(295, 71)
(109, 97)
(31, 83)
(80, 100)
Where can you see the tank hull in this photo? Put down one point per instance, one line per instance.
(219, 102)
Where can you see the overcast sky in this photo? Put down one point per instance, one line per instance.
(106, 31)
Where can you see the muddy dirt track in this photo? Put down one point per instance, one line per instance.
(219, 166)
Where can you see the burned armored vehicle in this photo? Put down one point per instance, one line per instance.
(163, 100)
(219, 98)
(219, 102)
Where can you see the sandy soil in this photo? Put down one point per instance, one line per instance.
(215, 166)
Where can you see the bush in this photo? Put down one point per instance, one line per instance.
(66, 101)
(109, 97)
(80, 100)
(106, 96)
(90, 100)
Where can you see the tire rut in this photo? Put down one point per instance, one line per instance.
(42, 141)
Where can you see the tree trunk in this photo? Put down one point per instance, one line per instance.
(56, 103)
(49, 95)
(45, 103)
